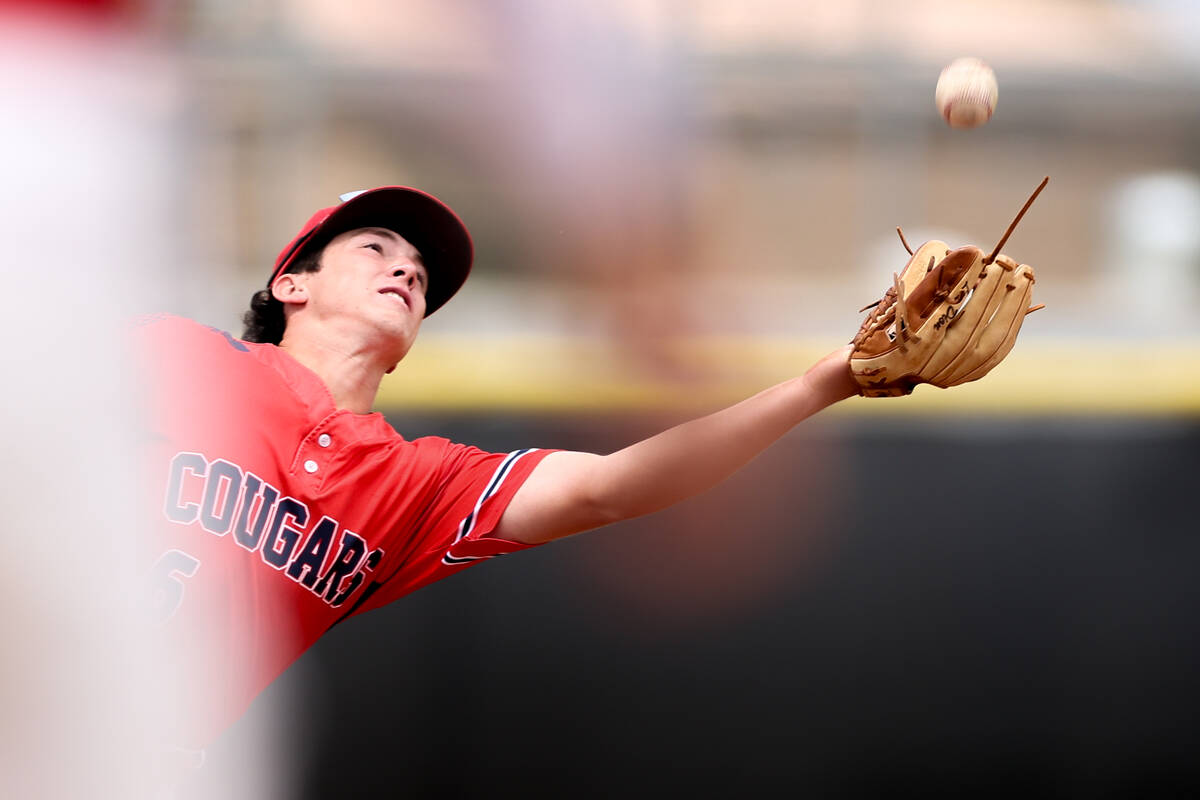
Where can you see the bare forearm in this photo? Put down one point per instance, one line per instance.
(570, 492)
(689, 458)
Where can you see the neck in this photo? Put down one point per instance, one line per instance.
(352, 378)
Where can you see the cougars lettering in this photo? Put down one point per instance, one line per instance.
(225, 498)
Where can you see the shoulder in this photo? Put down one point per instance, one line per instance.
(446, 451)
(174, 328)
(168, 335)
(181, 352)
(463, 463)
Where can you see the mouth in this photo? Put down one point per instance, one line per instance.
(398, 294)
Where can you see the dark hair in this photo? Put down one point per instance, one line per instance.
(264, 321)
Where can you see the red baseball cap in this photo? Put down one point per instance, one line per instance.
(426, 222)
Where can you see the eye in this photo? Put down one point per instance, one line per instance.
(376, 246)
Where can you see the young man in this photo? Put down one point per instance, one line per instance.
(287, 506)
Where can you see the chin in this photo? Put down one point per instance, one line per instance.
(396, 347)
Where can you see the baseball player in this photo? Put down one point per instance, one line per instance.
(284, 505)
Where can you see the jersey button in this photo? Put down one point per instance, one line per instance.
(310, 466)
(324, 440)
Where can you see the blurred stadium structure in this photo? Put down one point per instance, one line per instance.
(699, 194)
(675, 204)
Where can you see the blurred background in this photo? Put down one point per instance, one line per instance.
(676, 204)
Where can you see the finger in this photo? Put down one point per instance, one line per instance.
(960, 330)
(1001, 335)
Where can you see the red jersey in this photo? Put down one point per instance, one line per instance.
(280, 515)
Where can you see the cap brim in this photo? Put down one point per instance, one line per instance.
(426, 222)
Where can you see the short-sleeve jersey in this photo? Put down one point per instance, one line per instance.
(278, 515)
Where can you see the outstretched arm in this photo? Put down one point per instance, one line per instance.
(571, 492)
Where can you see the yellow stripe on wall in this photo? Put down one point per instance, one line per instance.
(1055, 377)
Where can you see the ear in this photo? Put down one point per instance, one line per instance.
(290, 288)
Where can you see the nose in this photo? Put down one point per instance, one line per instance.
(405, 273)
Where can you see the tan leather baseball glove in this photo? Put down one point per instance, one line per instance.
(949, 318)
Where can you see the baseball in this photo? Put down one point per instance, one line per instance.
(966, 93)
